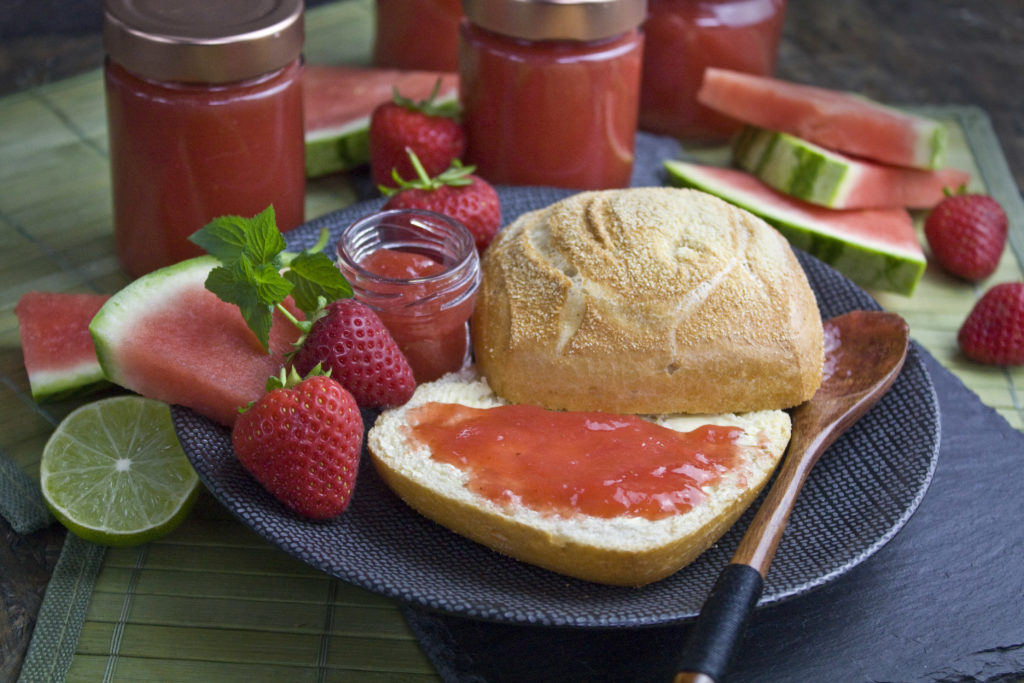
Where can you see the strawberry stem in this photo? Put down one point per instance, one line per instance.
(429, 106)
(456, 175)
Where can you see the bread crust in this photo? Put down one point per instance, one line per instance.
(617, 551)
(646, 300)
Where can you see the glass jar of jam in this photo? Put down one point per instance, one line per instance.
(417, 34)
(419, 271)
(684, 37)
(549, 91)
(204, 117)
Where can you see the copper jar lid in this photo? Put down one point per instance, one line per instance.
(582, 20)
(203, 41)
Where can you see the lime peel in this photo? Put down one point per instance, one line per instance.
(114, 473)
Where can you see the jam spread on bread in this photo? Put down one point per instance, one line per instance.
(598, 464)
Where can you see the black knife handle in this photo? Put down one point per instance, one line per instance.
(720, 624)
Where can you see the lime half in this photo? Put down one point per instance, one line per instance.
(114, 473)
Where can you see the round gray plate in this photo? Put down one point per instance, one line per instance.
(857, 498)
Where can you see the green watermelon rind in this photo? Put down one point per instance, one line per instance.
(871, 267)
(58, 385)
(797, 167)
(932, 140)
(347, 146)
(337, 149)
(116, 319)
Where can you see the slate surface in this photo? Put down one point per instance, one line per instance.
(910, 613)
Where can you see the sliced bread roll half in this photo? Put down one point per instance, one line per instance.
(623, 549)
(646, 300)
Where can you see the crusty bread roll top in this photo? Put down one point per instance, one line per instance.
(648, 300)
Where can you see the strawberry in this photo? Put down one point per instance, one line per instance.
(994, 329)
(428, 127)
(456, 193)
(967, 234)
(302, 441)
(351, 341)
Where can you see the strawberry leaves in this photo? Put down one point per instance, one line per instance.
(257, 274)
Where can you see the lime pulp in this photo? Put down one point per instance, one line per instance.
(114, 473)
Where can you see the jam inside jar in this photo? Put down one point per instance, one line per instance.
(685, 37)
(417, 34)
(182, 154)
(204, 119)
(419, 271)
(550, 91)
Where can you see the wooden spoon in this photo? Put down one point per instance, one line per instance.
(864, 351)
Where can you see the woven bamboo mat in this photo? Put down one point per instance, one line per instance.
(212, 601)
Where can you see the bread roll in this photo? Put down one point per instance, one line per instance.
(621, 550)
(650, 300)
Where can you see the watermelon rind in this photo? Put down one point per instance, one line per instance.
(838, 120)
(115, 321)
(797, 167)
(870, 264)
(344, 147)
(932, 142)
(60, 362)
(80, 380)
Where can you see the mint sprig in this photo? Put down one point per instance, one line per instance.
(257, 274)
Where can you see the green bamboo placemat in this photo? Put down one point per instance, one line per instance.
(213, 601)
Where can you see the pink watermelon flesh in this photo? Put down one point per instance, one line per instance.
(333, 96)
(338, 102)
(836, 120)
(876, 248)
(201, 354)
(60, 359)
(166, 337)
(836, 180)
(882, 186)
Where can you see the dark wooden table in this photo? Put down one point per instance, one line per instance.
(906, 52)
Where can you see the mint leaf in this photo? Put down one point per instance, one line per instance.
(263, 241)
(229, 237)
(252, 254)
(224, 237)
(314, 275)
(256, 290)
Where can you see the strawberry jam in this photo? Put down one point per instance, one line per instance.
(401, 265)
(417, 34)
(419, 271)
(567, 463)
(204, 118)
(550, 91)
(682, 39)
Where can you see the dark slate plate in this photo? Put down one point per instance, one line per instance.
(857, 498)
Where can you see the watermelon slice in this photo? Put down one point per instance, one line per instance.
(839, 121)
(338, 102)
(59, 356)
(876, 248)
(166, 336)
(814, 174)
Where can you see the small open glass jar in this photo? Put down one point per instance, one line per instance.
(204, 117)
(419, 271)
(550, 90)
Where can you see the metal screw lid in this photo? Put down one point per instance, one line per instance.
(582, 20)
(203, 41)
